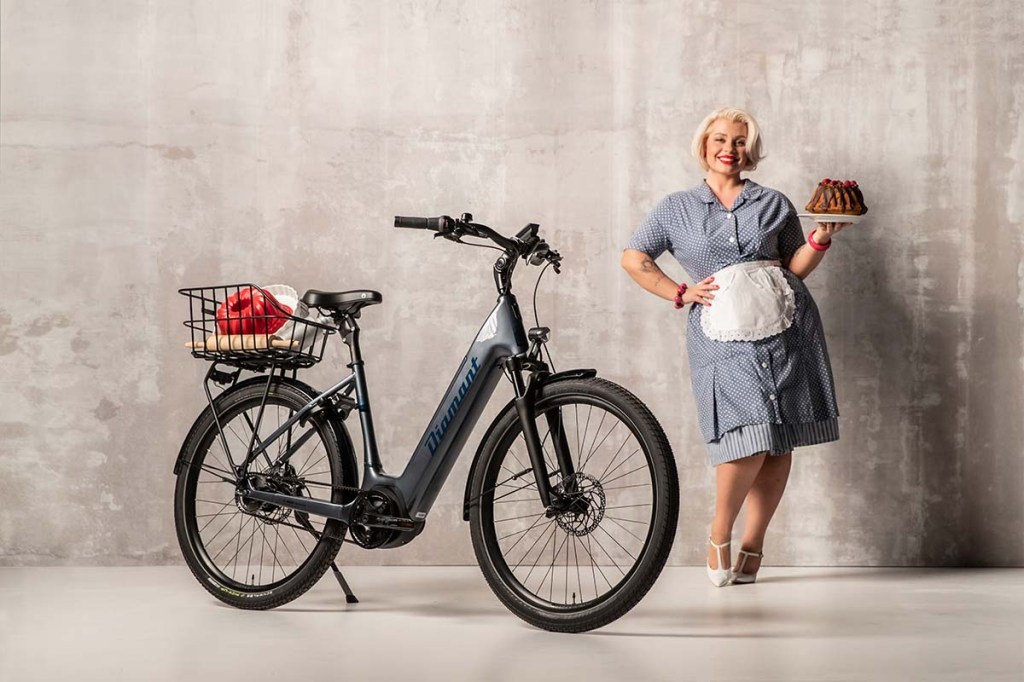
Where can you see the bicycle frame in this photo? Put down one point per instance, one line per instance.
(500, 345)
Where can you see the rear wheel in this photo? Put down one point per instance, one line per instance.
(249, 554)
(586, 566)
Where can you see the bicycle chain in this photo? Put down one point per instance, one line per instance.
(294, 479)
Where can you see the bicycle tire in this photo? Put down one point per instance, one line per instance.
(202, 436)
(650, 561)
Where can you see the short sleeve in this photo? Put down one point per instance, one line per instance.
(651, 236)
(791, 236)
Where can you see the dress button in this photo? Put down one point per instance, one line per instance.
(729, 216)
(732, 239)
(772, 396)
(765, 365)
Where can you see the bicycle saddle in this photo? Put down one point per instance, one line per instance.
(342, 302)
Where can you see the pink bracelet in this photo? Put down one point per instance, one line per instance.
(815, 245)
(680, 290)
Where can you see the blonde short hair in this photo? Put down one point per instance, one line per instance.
(700, 140)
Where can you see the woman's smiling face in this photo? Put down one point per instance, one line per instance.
(727, 147)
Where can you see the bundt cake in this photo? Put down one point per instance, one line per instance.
(838, 197)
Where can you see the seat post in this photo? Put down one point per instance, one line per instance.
(351, 338)
(350, 334)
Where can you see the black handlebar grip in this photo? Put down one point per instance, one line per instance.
(439, 224)
(415, 223)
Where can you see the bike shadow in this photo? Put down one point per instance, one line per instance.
(456, 596)
(674, 609)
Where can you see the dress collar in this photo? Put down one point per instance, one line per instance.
(751, 190)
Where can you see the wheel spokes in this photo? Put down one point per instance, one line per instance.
(572, 558)
(244, 542)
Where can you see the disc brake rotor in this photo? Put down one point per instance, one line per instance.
(586, 504)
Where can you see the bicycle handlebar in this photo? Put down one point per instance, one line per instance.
(527, 244)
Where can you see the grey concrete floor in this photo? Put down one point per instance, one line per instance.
(442, 623)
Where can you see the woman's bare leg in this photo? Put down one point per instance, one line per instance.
(733, 482)
(762, 501)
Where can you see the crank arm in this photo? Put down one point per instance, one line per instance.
(388, 523)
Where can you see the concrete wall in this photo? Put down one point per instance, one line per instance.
(152, 145)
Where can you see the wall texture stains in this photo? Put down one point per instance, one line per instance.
(148, 146)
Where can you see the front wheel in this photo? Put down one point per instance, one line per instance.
(588, 565)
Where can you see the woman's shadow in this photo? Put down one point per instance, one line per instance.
(895, 483)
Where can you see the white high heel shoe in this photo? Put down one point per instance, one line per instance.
(719, 576)
(746, 578)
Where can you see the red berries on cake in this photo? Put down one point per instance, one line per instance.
(841, 197)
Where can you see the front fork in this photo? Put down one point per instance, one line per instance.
(525, 403)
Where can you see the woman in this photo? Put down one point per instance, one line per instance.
(759, 366)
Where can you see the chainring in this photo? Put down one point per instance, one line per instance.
(376, 503)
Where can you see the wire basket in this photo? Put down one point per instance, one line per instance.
(244, 326)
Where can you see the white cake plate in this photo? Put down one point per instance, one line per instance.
(831, 217)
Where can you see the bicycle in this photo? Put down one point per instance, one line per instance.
(571, 517)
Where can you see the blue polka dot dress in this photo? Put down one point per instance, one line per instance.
(773, 394)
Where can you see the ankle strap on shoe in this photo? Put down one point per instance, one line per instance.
(743, 559)
(718, 551)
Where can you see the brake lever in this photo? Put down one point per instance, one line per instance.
(540, 252)
(451, 235)
(556, 261)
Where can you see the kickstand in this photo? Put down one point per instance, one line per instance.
(349, 597)
(303, 520)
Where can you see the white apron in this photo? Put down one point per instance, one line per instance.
(754, 302)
